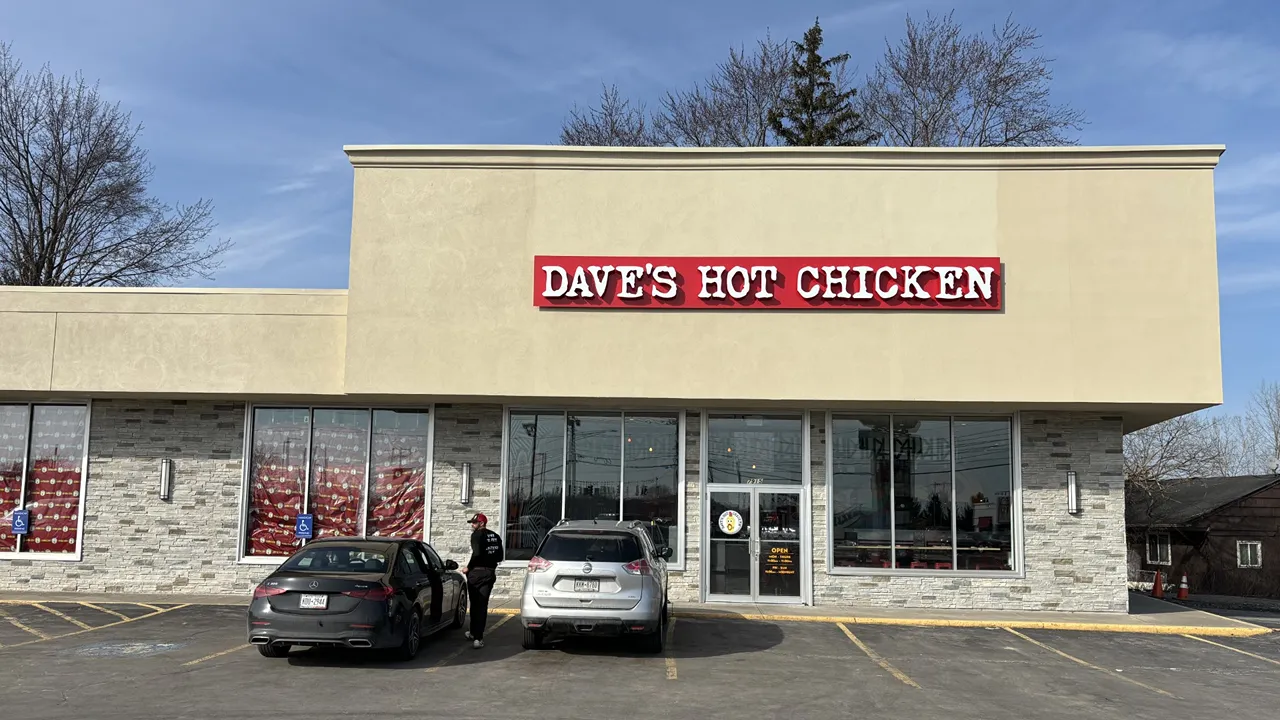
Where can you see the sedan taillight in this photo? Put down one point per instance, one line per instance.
(263, 591)
(637, 567)
(377, 594)
(537, 564)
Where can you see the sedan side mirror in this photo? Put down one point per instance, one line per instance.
(665, 553)
(450, 565)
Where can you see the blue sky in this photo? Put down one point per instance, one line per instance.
(249, 103)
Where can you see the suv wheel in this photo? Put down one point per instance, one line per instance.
(532, 639)
(655, 641)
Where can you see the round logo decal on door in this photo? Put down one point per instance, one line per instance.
(730, 522)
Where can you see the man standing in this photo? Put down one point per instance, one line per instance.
(486, 553)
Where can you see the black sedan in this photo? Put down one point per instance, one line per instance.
(357, 593)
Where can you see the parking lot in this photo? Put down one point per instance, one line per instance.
(100, 660)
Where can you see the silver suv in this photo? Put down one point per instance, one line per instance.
(598, 579)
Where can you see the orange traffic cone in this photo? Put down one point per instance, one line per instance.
(1157, 587)
(1182, 589)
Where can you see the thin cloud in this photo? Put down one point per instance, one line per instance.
(1258, 172)
(1215, 63)
(1245, 283)
(1265, 226)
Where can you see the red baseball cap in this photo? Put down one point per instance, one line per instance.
(479, 517)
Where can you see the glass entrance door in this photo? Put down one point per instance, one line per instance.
(753, 549)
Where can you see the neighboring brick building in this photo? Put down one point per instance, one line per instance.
(1222, 532)
(877, 377)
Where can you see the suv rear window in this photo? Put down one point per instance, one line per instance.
(605, 547)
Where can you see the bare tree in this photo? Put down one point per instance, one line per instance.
(74, 208)
(938, 87)
(1263, 419)
(731, 108)
(614, 123)
(1184, 447)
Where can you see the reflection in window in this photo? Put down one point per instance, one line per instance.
(535, 480)
(337, 447)
(984, 492)
(755, 449)
(929, 486)
(339, 456)
(922, 492)
(49, 440)
(597, 466)
(397, 504)
(860, 502)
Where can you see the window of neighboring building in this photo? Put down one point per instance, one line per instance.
(1158, 549)
(606, 466)
(1249, 554)
(921, 493)
(42, 471)
(356, 471)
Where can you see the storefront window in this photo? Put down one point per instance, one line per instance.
(860, 499)
(48, 441)
(590, 466)
(950, 487)
(755, 449)
(318, 461)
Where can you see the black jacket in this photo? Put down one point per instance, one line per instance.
(486, 549)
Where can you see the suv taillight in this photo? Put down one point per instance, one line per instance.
(377, 594)
(537, 564)
(263, 591)
(637, 567)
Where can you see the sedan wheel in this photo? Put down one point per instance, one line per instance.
(412, 639)
(460, 614)
(273, 650)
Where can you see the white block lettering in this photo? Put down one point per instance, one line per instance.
(767, 275)
(979, 279)
(735, 291)
(601, 277)
(911, 276)
(947, 277)
(664, 276)
(630, 287)
(862, 293)
(837, 276)
(579, 287)
(812, 292)
(893, 287)
(561, 281)
(715, 276)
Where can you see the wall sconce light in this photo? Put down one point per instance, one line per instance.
(465, 494)
(1073, 493)
(166, 479)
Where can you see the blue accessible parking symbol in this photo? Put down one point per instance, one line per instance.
(303, 526)
(21, 522)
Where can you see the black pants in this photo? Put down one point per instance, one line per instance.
(479, 585)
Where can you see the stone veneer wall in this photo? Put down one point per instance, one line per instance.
(133, 540)
(1073, 563)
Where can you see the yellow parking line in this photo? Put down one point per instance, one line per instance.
(671, 661)
(1228, 647)
(451, 656)
(44, 637)
(150, 607)
(1075, 659)
(217, 654)
(99, 608)
(875, 657)
(18, 624)
(64, 616)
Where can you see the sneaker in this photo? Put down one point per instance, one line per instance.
(467, 635)
(477, 644)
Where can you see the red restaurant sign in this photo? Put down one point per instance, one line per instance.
(792, 283)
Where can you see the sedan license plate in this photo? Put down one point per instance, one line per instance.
(314, 602)
(586, 585)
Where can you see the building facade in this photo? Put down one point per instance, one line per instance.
(877, 377)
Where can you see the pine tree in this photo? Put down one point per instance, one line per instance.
(818, 110)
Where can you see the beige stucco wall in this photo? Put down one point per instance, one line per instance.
(100, 341)
(1111, 289)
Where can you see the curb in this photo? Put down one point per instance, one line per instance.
(1246, 630)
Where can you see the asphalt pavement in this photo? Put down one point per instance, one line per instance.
(116, 661)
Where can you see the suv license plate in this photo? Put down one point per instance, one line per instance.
(314, 602)
(586, 585)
